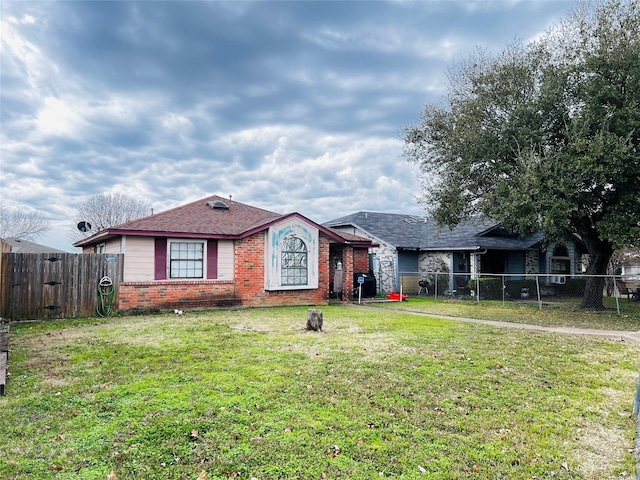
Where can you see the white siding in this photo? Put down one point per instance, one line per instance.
(113, 245)
(139, 259)
(225, 259)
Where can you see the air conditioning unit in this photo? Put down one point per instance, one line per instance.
(558, 279)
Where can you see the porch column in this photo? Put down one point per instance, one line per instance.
(347, 276)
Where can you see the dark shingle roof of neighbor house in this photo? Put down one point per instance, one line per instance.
(210, 217)
(19, 245)
(419, 233)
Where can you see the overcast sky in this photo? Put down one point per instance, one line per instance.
(289, 106)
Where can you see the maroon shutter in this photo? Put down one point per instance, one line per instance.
(161, 259)
(212, 258)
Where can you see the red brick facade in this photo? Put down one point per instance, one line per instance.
(176, 294)
(361, 260)
(248, 286)
(250, 276)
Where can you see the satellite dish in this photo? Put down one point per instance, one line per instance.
(84, 226)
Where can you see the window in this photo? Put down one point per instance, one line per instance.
(294, 262)
(101, 248)
(291, 256)
(560, 261)
(186, 260)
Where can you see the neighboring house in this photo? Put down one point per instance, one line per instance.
(409, 246)
(216, 251)
(25, 246)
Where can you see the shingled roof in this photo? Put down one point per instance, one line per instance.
(210, 217)
(412, 232)
(19, 245)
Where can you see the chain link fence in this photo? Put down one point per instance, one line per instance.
(543, 291)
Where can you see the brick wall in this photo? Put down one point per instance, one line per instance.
(176, 294)
(360, 260)
(247, 287)
(249, 267)
(249, 275)
(348, 271)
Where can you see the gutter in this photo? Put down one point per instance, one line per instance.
(456, 249)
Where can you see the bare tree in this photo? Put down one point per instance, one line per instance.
(108, 210)
(23, 224)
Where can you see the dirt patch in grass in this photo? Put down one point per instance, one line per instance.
(597, 460)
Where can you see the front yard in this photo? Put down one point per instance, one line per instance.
(250, 394)
(562, 313)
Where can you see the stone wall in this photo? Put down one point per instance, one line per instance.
(430, 262)
(386, 268)
(532, 262)
(434, 262)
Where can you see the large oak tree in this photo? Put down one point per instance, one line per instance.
(544, 136)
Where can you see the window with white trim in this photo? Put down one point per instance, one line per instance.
(186, 259)
(291, 256)
(294, 258)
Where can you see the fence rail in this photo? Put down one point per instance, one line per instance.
(543, 291)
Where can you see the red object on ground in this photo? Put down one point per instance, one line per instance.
(396, 296)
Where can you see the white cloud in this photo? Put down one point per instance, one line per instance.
(173, 101)
(175, 121)
(59, 118)
(32, 167)
(16, 50)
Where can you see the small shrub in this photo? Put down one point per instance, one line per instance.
(514, 287)
(490, 288)
(443, 283)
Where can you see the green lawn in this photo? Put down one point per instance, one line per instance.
(250, 394)
(563, 312)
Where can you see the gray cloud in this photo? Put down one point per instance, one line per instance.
(289, 106)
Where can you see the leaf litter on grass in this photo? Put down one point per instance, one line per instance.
(392, 391)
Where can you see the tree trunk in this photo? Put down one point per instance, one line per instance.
(600, 253)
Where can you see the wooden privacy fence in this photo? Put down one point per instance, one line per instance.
(40, 286)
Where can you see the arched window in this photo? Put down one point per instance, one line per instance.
(294, 262)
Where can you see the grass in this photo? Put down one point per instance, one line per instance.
(250, 394)
(559, 314)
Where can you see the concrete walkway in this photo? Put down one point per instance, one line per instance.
(616, 335)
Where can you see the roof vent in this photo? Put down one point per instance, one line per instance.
(218, 205)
